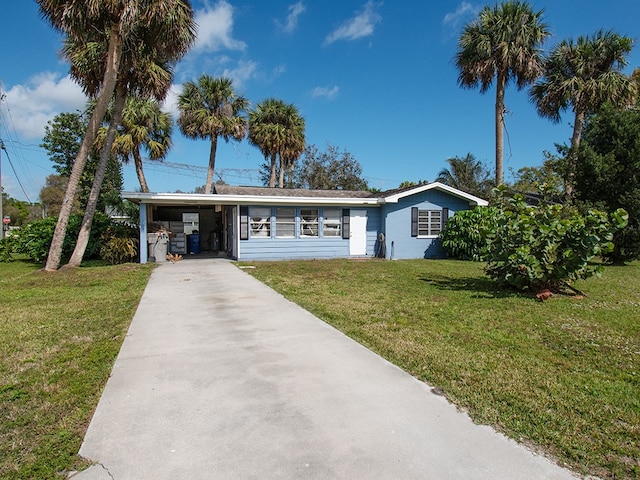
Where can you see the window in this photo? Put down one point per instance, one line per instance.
(331, 222)
(308, 222)
(285, 222)
(425, 223)
(260, 219)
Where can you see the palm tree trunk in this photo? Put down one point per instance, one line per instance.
(281, 173)
(572, 158)
(272, 173)
(139, 171)
(212, 164)
(108, 86)
(105, 153)
(500, 87)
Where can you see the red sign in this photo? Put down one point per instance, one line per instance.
(6, 220)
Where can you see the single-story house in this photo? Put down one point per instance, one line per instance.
(259, 223)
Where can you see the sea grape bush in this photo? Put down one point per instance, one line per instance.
(547, 246)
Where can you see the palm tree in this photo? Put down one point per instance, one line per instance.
(502, 43)
(146, 71)
(143, 125)
(277, 129)
(467, 174)
(211, 109)
(169, 28)
(583, 75)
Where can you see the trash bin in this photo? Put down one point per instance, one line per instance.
(194, 243)
(151, 244)
(160, 252)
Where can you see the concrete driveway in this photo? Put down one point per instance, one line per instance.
(220, 377)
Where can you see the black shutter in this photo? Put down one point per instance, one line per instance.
(346, 230)
(244, 223)
(445, 217)
(414, 221)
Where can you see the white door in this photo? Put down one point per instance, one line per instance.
(358, 232)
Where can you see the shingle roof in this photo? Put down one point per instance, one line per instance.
(292, 192)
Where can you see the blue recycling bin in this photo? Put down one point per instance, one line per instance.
(194, 243)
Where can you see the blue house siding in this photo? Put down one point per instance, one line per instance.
(293, 248)
(410, 219)
(274, 248)
(400, 243)
(374, 227)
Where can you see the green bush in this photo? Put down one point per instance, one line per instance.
(547, 246)
(34, 239)
(465, 235)
(119, 244)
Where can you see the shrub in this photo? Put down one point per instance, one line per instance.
(465, 235)
(34, 239)
(547, 246)
(119, 244)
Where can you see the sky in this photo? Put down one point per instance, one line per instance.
(374, 78)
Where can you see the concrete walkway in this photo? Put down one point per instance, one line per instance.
(220, 377)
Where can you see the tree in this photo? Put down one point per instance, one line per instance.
(502, 43)
(19, 212)
(549, 176)
(144, 125)
(52, 195)
(607, 173)
(277, 129)
(146, 71)
(62, 140)
(467, 174)
(210, 109)
(411, 183)
(328, 170)
(114, 22)
(583, 75)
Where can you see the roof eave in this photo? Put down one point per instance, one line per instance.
(220, 199)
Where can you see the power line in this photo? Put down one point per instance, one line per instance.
(14, 171)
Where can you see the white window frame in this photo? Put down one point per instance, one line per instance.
(429, 223)
(310, 224)
(283, 219)
(260, 222)
(332, 223)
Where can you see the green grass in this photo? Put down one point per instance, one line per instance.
(562, 376)
(60, 335)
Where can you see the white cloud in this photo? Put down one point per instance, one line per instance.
(170, 103)
(463, 13)
(295, 11)
(243, 71)
(361, 25)
(215, 26)
(44, 96)
(326, 92)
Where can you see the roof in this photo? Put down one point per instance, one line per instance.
(240, 195)
(291, 192)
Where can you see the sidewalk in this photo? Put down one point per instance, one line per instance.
(220, 377)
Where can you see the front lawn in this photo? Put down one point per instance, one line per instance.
(562, 376)
(60, 333)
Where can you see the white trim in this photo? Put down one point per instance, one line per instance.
(218, 199)
(277, 200)
(438, 186)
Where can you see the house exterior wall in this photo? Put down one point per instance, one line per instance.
(397, 219)
(274, 248)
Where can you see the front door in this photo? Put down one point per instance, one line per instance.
(358, 232)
